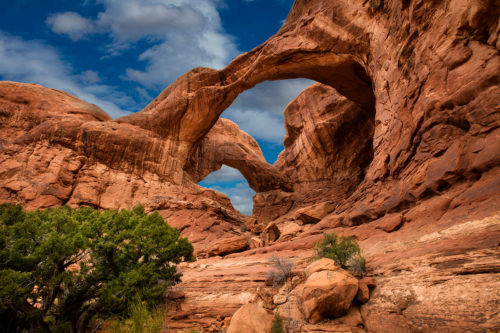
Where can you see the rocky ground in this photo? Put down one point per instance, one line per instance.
(429, 277)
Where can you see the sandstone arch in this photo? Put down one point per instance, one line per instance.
(226, 144)
(304, 48)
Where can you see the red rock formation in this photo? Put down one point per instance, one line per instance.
(409, 159)
(434, 68)
(328, 144)
(390, 59)
(56, 149)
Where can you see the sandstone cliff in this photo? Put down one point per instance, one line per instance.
(398, 144)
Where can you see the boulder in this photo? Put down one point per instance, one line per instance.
(363, 293)
(254, 226)
(365, 285)
(280, 299)
(271, 233)
(352, 318)
(266, 296)
(175, 294)
(327, 294)
(323, 264)
(256, 242)
(290, 230)
(369, 281)
(251, 318)
(228, 245)
(390, 222)
(315, 213)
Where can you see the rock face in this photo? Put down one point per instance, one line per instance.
(400, 136)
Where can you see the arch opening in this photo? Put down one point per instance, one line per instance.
(231, 182)
(324, 141)
(260, 112)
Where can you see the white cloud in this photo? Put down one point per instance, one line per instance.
(223, 175)
(35, 62)
(232, 183)
(71, 24)
(182, 34)
(259, 124)
(131, 20)
(202, 43)
(241, 197)
(90, 77)
(271, 96)
(259, 111)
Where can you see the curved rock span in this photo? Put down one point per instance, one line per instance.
(397, 144)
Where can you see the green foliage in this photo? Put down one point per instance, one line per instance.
(60, 267)
(141, 319)
(342, 250)
(277, 324)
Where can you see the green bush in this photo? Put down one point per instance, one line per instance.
(343, 251)
(277, 324)
(61, 267)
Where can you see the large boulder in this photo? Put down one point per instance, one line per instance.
(323, 264)
(228, 245)
(315, 213)
(251, 318)
(390, 223)
(271, 233)
(327, 294)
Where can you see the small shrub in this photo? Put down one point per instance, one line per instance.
(277, 324)
(145, 320)
(357, 264)
(141, 319)
(340, 250)
(282, 270)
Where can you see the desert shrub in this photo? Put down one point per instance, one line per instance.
(281, 271)
(340, 250)
(62, 267)
(141, 319)
(357, 264)
(277, 324)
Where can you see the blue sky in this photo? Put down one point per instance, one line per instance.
(120, 54)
